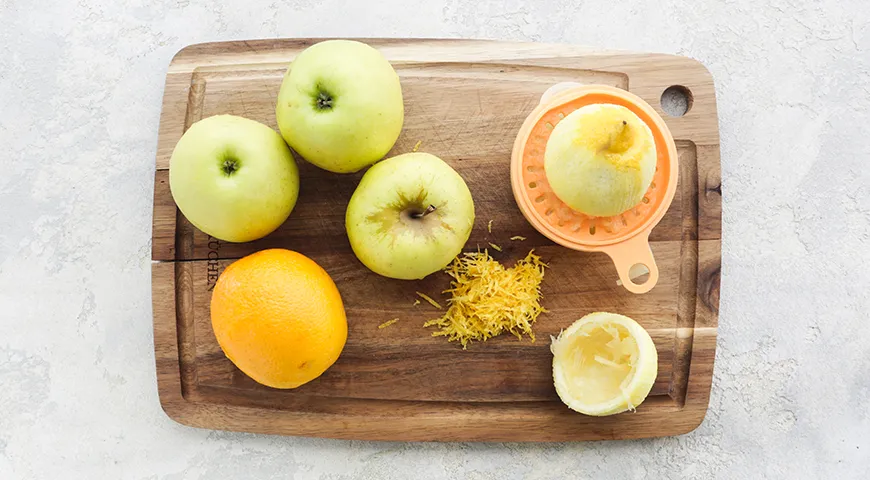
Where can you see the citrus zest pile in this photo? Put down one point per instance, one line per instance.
(489, 299)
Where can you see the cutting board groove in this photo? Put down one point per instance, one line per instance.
(465, 101)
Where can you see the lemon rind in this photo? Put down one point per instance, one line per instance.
(634, 389)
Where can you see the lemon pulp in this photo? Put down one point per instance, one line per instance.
(604, 363)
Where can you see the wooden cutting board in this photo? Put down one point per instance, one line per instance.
(465, 102)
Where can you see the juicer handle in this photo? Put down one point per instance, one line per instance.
(630, 253)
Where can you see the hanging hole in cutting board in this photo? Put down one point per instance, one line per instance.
(677, 100)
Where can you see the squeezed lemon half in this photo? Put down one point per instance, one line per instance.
(603, 364)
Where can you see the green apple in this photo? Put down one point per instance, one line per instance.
(600, 159)
(409, 216)
(233, 178)
(340, 105)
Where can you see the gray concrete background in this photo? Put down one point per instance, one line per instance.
(80, 90)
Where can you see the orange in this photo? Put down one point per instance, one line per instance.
(278, 317)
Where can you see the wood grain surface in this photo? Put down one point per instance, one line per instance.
(464, 101)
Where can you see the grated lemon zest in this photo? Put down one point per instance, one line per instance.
(416, 302)
(495, 247)
(518, 237)
(429, 299)
(417, 145)
(488, 299)
(489, 226)
(388, 323)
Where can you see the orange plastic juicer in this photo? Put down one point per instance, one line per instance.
(625, 237)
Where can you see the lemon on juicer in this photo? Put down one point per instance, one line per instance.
(600, 159)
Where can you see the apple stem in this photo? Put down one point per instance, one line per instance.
(429, 209)
(230, 166)
(324, 101)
